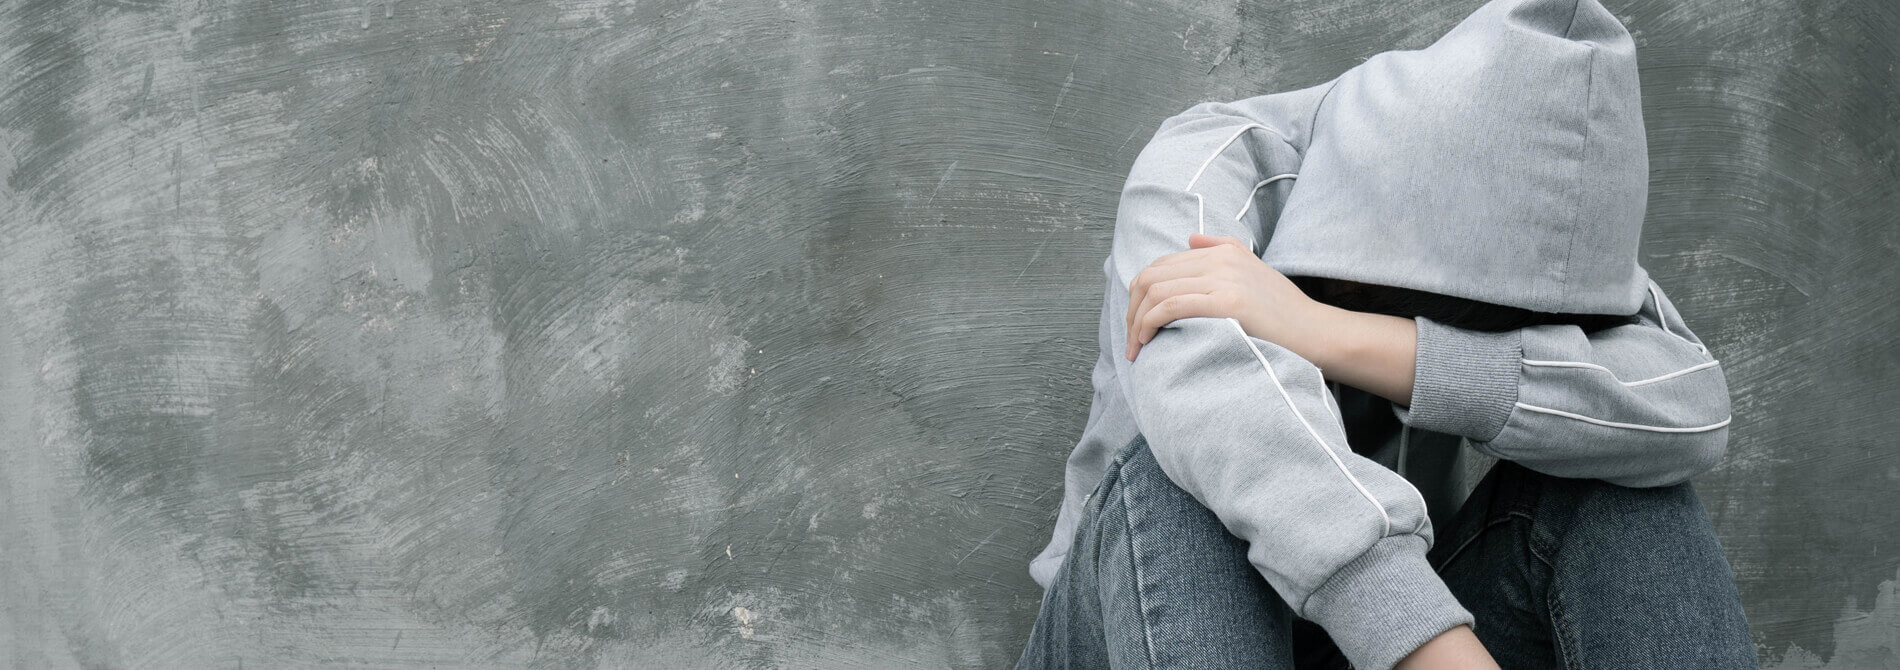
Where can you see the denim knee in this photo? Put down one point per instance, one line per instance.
(1136, 471)
(1592, 513)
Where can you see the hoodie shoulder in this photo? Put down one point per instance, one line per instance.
(1288, 114)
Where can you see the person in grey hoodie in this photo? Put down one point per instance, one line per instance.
(1258, 462)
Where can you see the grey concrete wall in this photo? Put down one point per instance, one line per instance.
(734, 333)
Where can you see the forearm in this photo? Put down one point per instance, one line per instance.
(1246, 426)
(1637, 405)
(1457, 648)
(1372, 352)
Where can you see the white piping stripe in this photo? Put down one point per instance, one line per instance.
(1200, 213)
(1592, 366)
(1673, 375)
(1217, 153)
(1201, 224)
(1309, 429)
(1256, 191)
(1632, 426)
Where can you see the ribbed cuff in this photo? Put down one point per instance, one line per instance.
(1384, 604)
(1464, 381)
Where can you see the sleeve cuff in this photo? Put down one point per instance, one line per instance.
(1464, 381)
(1384, 604)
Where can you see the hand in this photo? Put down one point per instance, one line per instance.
(1221, 277)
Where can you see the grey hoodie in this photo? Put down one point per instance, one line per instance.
(1504, 163)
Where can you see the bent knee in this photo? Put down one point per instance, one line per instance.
(1142, 476)
(1600, 512)
(1140, 491)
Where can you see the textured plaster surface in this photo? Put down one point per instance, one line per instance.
(747, 334)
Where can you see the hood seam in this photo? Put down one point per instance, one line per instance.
(1583, 160)
(1312, 122)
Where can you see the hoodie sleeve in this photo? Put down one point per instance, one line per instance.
(1248, 427)
(1637, 405)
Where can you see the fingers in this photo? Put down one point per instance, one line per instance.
(1162, 291)
(1166, 311)
(1204, 240)
(1186, 273)
(1153, 275)
(1183, 264)
(1205, 247)
(1198, 253)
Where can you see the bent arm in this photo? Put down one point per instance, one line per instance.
(1637, 405)
(1246, 426)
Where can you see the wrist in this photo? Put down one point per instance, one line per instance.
(1336, 337)
(1372, 352)
(1340, 338)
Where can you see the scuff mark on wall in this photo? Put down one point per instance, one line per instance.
(1863, 638)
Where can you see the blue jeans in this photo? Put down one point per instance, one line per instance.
(1559, 573)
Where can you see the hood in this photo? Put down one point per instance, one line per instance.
(1504, 163)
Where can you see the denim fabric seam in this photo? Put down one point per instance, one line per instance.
(1467, 542)
(1531, 544)
(1560, 624)
(1141, 585)
(1093, 514)
(1566, 645)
